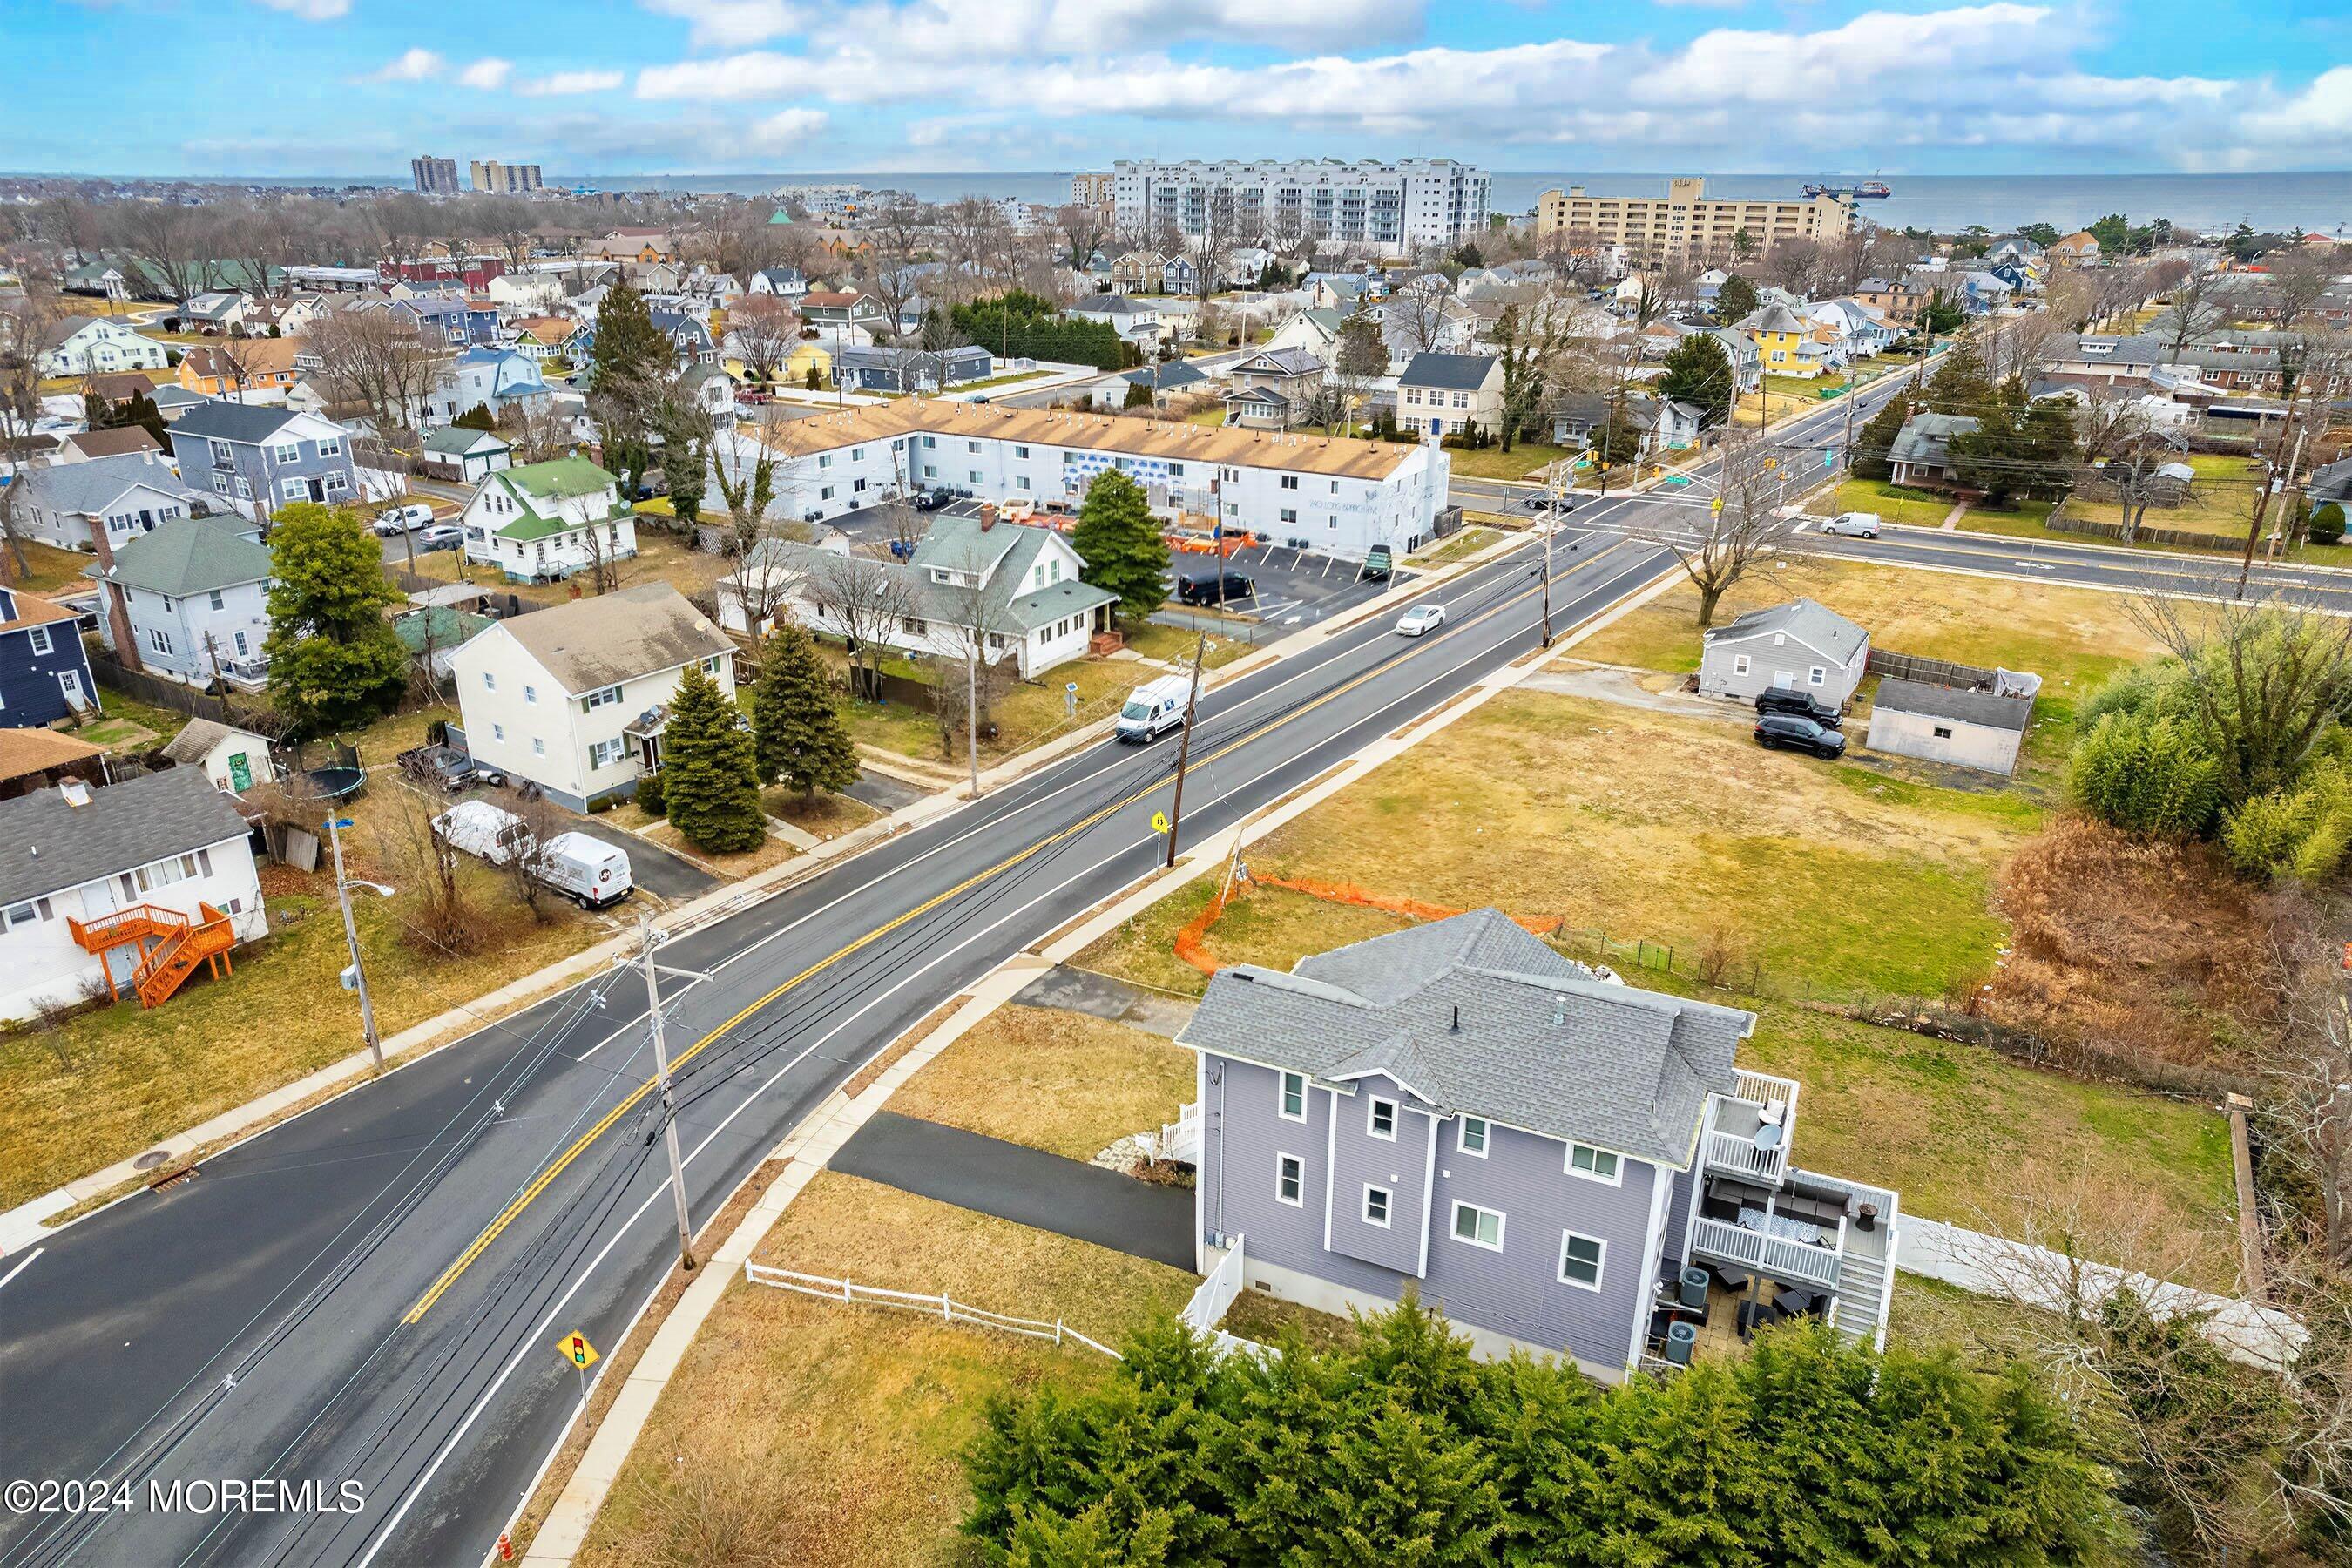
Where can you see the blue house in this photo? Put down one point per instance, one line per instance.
(1179, 275)
(911, 369)
(257, 457)
(495, 378)
(43, 674)
(690, 338)
(1567, 1162)
(453, 317)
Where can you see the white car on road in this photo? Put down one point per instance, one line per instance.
(1853, 525)
(1421, 618)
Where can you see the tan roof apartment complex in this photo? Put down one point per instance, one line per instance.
(1683, 222)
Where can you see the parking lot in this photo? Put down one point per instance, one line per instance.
(1295, 587)
(878, 524)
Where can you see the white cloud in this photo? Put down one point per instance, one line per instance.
(732, 24)
(489, 74)
(785, 131)
(2321, 112)
(563, 83)
(311, 10)
(1018, 29)
(757, 74)
(415, 65)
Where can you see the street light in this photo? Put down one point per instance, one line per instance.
(356, 976)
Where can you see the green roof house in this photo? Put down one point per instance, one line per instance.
(543, 521)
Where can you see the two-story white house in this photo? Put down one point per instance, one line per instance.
(93, 345)
(194, 596)
(575, 698)
(543, 521)
(128, 890)
(102, 501)
(1007, 589)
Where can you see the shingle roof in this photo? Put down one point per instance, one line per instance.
(1451, 373)
(1540, 1043)
(589, 644)
(47, 844)
(114, 443)
(31, 609)
(1954, 703)
(221, 419)
(536, 487)
(1815, 624)
(200, 735)
(189, 555)
(25, 750)
(90, 488)
(1773, 317)
(1928, 437)
(458, 440)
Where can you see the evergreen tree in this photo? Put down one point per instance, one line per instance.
(1698, 372)
(477, 417)
(799, 736)
(2326, 524)
(686, 455)
(711, 789)
(628, 349)
(1735, 300)
(1961, 384)
(2146, 774)
(334, 662)
(1869, 458)
(1121, 544)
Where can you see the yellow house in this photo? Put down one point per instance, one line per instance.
(1784, 343)
(806, 355)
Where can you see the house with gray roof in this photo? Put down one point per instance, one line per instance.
(1271, 387)
(260, 457)
(1959, 725)
(95, 883)
(1445, 393)
(99, 502)
(192, 600)
(1008, 589)
(1801, 645)
(1922, 452)
(1459, 1110)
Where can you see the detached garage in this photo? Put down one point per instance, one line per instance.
(1948, 725)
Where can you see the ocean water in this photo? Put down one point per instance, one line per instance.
(2321, 201)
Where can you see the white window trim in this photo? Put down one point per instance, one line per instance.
(1280, 1161)
(1816, 676)
(1453, 1225)
(1599, 1264)
(1388, 1206)
(1739, 664)
(1615, 1179)
(1282, 1095)
(1486, 1137)
(1371, 1119)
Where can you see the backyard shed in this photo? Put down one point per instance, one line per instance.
(1948, 725)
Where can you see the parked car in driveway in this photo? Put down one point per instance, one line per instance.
(443, 536)
(1214, 588)
(1421, 619)
(1853, 525)
(401, 519)
(1803, 704)
(1787, 731)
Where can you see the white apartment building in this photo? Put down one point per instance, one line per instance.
(1389, 208)
(1684, 221)
(1330, 494)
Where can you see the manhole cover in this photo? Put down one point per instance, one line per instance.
(149, 1160)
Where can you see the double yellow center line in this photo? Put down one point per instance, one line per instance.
(540, 1184)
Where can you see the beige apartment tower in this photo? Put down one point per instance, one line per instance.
(1685, 223)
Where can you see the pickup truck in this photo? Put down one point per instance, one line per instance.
(444, 767)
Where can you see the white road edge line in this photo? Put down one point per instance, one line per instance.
(22, 1266)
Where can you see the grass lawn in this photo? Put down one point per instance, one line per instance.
(1065, 1083)
(1010, 379)
(1446, 552)
(1174, 646)
(112, 1081)
(660, 557)
(817, 1433)
(826, 815)
(129, 723)
(1026, 713)
(2219, 502)
(49, 569)
(1521, 462)
(1965, 1135)
(771, 851)
(1893, 502)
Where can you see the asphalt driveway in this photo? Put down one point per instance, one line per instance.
(671, 878)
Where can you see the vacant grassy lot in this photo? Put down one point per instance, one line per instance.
(1063, 1082)
(1446, 552)
(815, 1433)
(1965, 1135)
(1493, 463)
(112, 1081)
(1174, 645)
(1026, 713)
(2219, 502)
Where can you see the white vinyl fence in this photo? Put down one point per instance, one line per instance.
(941, 1305)
(1206, 1309)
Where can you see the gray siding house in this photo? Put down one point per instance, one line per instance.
(258, 458)
(1457, 1109)
(193, 598)
(1802, 645)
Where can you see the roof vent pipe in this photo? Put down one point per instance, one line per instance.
(1457, 1017)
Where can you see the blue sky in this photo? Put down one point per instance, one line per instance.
(605, 87)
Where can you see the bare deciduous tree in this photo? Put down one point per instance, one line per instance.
(376, 359)
(869, 600)
(1723, 545)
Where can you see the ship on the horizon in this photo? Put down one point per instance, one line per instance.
(1869, 190)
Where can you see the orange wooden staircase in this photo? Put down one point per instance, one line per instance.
(181, 942)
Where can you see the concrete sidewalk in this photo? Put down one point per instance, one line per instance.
(1026, 1185)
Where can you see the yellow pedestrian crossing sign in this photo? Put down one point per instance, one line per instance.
(1716, 506)
(1158, 822)
(578, 1350)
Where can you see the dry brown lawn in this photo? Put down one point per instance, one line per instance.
(773, 851)
(1065, 1083)
(815, 1433)
(826, 815)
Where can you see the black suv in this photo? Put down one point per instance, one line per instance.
(1787, 731)
(1783, 699)
(1214, 589)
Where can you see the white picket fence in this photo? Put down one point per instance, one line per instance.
(946, 1309)
(1206, 1309)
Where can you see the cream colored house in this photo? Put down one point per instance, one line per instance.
(543, 521)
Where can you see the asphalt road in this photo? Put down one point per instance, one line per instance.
(372, 1293)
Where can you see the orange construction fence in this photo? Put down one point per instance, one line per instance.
(1191, 944)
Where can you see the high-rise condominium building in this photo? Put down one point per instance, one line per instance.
(1389, 208)
(434, 176)
(505, 179)
(1685, 223)
(1092, 189)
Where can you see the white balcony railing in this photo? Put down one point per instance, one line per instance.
(1738, 1151)
(1737, 1155)
(1777, 1255)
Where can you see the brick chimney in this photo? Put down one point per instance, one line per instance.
(118, 609)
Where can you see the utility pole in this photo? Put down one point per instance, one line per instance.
(2270, 484)
(1184, 750)
(1550, 528)
(669, 1102)
(352, 939)
(971, 703)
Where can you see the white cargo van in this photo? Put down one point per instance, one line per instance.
(1154, 708)
(590, 873)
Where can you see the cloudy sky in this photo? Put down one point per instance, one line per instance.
(610, 87)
